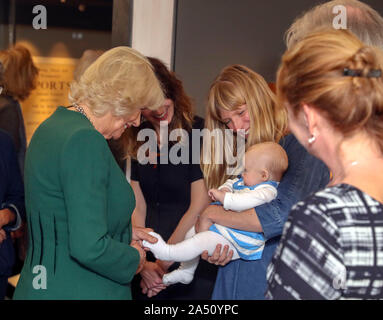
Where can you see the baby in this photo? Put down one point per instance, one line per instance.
(265, 164)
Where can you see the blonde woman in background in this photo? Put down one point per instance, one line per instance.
(332, 86)
(88, 57)
(362, 20)
(78, 201)
(16, 84)
(240, 100)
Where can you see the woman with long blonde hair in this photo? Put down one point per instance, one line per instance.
(241, 100)
(245, 92)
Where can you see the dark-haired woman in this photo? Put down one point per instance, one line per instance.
(169, 196)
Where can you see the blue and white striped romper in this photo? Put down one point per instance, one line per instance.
(249, 244)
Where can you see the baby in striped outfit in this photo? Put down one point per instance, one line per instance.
(265, 164)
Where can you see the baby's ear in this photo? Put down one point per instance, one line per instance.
(265, 175)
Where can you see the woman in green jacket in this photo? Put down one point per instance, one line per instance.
(78, 201)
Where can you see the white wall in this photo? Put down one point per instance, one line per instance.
(152, 28)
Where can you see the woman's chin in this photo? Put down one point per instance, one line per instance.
(164, 116)
(116, 136)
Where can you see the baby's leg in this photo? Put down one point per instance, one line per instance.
(187, 252)
(185, 272)
(189, 248)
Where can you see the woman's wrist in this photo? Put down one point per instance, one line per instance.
(164, 265)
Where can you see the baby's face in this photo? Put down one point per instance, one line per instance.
(253, 172)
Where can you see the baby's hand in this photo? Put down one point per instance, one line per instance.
(211, 194)
(217, 195)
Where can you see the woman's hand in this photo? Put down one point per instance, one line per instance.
(164, 265)
(218, 258)
(135, 244)
(151, 283)
(139, 234)
(151, 292)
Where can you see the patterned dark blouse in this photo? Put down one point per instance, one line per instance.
(331, 248)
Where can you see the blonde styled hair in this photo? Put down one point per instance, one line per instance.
(121, 81)
(315, 72)
(235, 86)
(362, 20)
(20, 73)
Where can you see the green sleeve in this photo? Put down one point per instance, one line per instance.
(85, 166)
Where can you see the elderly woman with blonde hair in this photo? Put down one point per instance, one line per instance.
(78, 201)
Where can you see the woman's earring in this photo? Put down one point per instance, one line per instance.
(312, 139)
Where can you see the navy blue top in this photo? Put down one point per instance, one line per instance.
(11, 197)
(12, 122)
(246, 280)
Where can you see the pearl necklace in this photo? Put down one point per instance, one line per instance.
(82, 111)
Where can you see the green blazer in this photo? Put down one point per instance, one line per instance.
(79, 208)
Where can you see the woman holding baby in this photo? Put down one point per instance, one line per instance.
(239, 99)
